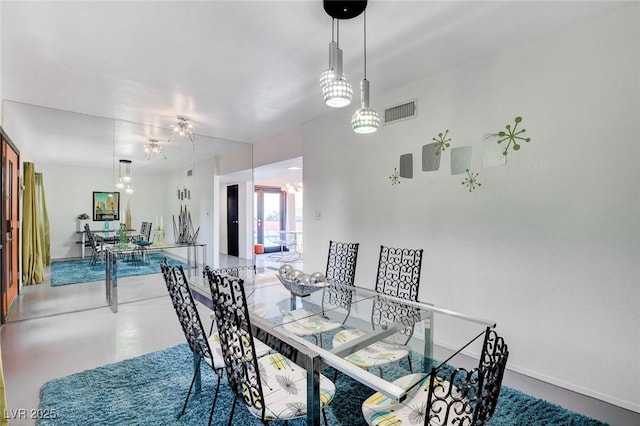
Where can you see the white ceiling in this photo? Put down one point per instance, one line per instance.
(241, 70)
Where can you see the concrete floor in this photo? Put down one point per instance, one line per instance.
(56, 331)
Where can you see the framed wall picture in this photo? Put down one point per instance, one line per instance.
(106, 206)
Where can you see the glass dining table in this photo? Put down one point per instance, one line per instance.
(116, 251)
(439, 335)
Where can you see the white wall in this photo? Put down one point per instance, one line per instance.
(69, 192)
(549, 246)
(283, 146)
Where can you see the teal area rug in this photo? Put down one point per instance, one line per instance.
(150, 390)
(65, 272)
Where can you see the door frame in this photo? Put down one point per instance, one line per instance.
(259, 192)
(5, 305)
(233, 226)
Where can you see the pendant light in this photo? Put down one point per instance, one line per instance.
(124, 176)
(337, 91)
(365, 120)
(329, 74)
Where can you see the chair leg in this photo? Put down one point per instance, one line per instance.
(409, 361)
(215, 398)
(324, 416)
(193, 380)
(233, 408)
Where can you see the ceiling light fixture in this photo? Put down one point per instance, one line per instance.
(182, 128)
(153, 147)
(124, 176)
(365, 120)
(292, 188)
(329, 74)
(336, 90)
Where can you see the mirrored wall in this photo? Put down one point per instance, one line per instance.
(172, 177)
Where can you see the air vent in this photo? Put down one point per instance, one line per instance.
(189, 172)
(400, 112)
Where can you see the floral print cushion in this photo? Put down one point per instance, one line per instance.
(216, 350)
(306, 323)
(380, 410)
(284, 386)
(377, 354)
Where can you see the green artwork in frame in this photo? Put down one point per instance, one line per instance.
(106, 206)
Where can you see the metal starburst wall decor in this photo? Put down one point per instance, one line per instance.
(471, 181)
(442, 142)
(395, 177)
(512, 136)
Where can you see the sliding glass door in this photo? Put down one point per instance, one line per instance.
(270, 206)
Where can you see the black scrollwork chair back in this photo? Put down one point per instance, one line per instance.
(248, 373)
(143, 241)
(145, 231)
(341, 269)
(448, 396)
(493, 362)
(199, 342)
(399, 272)
(398, 276)
(96, 250)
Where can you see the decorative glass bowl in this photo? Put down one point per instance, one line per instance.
(301, 289)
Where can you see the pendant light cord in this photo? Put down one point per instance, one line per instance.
(333, 31)
(338, 34)
(365, 44)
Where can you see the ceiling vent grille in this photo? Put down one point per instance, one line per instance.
(400, 112)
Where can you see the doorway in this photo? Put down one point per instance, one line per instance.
(233, 231)
(270, 206)
(10, 242)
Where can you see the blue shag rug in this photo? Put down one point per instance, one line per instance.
(150, 390)
(64, 272)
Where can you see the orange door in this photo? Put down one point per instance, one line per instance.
(11, 214)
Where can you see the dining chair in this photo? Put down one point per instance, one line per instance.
(200, 343)
(341, 269)
(247, 374)
(143, 240)
(203, 346)
(258, 308)
(448, 396)
(398, 276)
(97, 252)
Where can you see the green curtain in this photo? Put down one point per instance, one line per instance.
(43, 220)
(32, 260)
(127, 215)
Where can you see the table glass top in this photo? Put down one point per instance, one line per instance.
(438, 335)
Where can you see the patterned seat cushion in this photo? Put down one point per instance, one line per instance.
(380, 410)
(216, 349)
(377, 354)
(306, 323)
(284, 385)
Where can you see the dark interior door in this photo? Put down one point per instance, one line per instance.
(232, 221)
